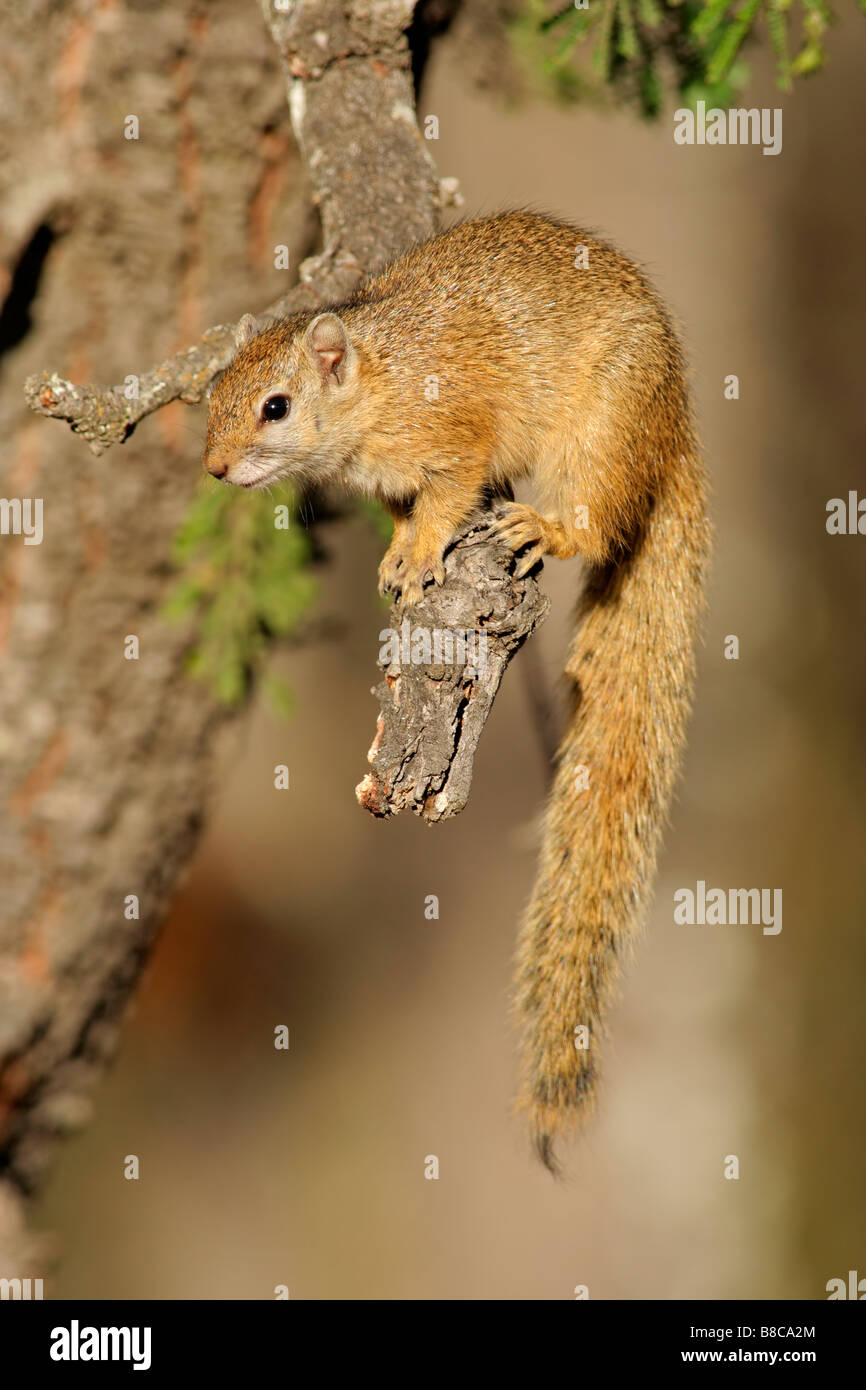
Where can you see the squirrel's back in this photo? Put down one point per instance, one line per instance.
(548, 341)
(545, 297)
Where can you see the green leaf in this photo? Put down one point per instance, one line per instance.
(627, 43)
(243, 583)
(582, 21)
(602, 56)
(731, 41)
(651, 14)
(650, 91)
(778, 26)
(808, 60)
(625, 47)
(709, 18)
(551, 20)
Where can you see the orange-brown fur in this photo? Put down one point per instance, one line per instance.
(573, 376)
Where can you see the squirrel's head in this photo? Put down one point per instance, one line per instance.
(283, 406)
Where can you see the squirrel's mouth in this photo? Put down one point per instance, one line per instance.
(250, 475)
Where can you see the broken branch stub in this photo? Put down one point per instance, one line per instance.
(443, 663)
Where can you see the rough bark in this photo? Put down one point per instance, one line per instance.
(133, 246)
(434, 702)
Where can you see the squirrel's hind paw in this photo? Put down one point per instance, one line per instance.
(519, 526)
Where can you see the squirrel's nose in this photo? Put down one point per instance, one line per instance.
(216, 465)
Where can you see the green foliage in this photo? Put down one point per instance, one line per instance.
(244, 582)
(628, 47)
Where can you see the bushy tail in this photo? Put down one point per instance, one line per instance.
(632, 663)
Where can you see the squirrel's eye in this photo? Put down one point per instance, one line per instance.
(275, 408)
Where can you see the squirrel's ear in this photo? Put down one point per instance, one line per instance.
(245, 329)
(329, 347)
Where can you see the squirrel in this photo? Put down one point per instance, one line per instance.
(552, 357)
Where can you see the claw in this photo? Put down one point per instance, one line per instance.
(390, 571)
(415, 577)
(518, 526)
(528, 562)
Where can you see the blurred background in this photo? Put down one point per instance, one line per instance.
(306, 1168)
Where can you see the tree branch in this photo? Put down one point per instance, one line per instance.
(106, 786)
(433, 706)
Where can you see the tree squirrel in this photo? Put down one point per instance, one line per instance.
(552, 357)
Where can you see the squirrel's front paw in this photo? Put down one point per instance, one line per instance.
(391, 571)
(416, 574)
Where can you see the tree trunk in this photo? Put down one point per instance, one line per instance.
(117, 252)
